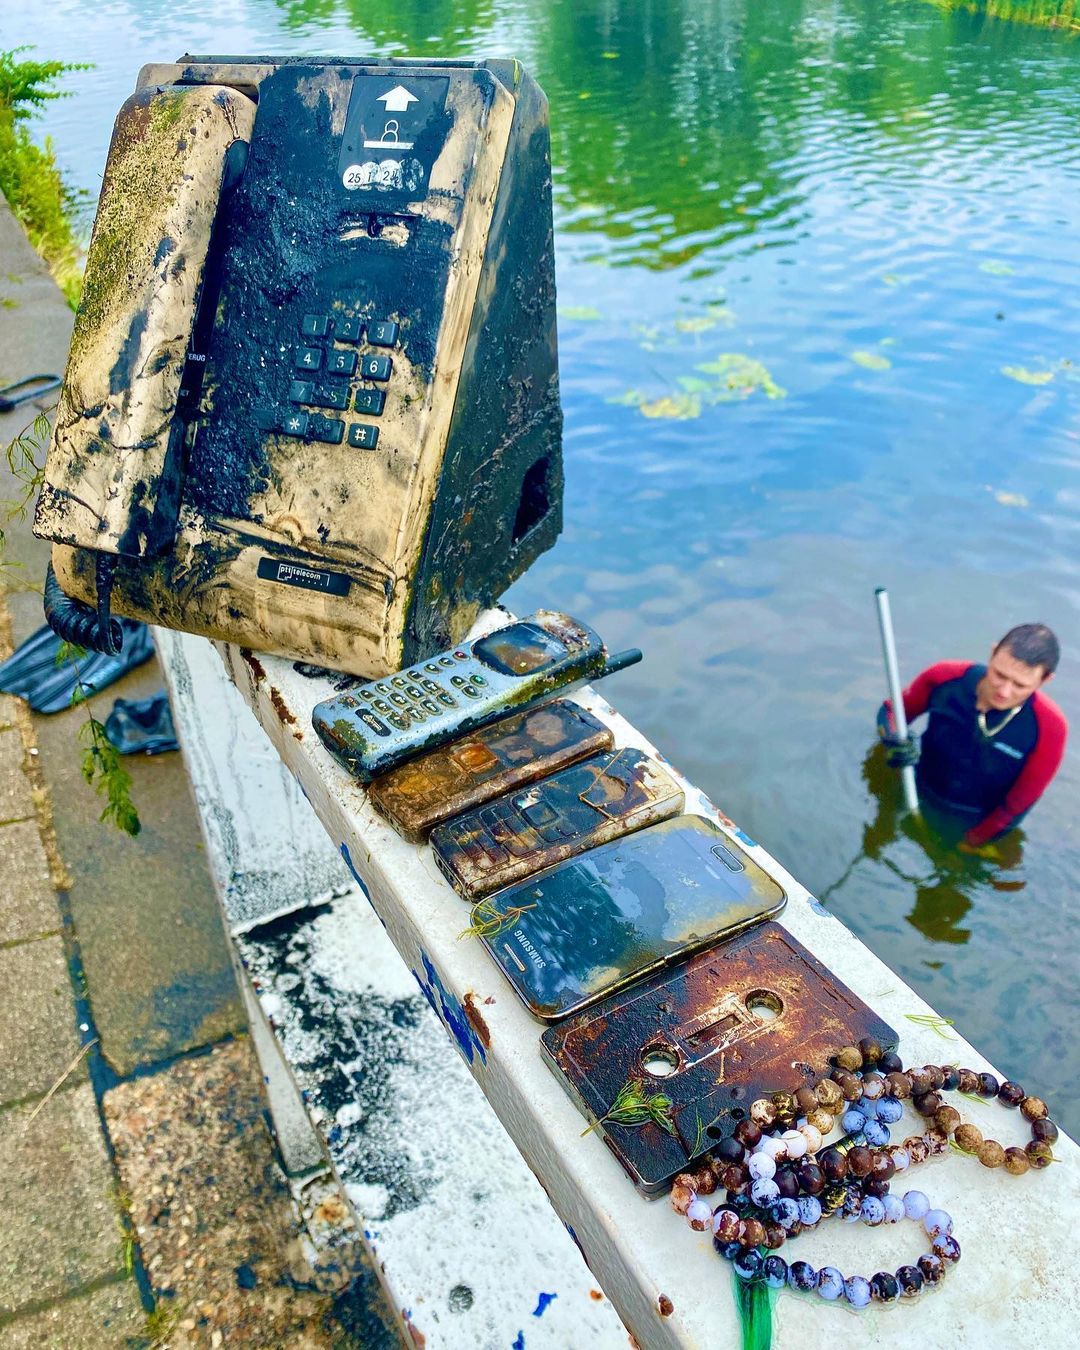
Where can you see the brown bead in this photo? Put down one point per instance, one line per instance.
(787, 1183)
(821, 1119)
(681, 1196)
(735, 1178)
(871, 1051)
(727, 1225)
(969, 1137)
(834, 1164)
(751, 1233)
(876, 1186)
(936, 1143)
(898, 1085)
(920, 1082)
(704, 1181)
(686, 1180)
(1011, 1094)
(805, 1100)
(884, 1169)
(829, 1095)
(1039, 1154)
(851, 1087)
(1044, 1130)
(850, 1058)
(746, 1132)
(1033, 1108)
(763, 1113)
(937, 1077)
(1016, 1161)
(969, 1082)
(860, 1160)
(774, 1236)
(917, 1150)
(929, 1104)
(946, 1119)
(991, 1154)
(811, 1178)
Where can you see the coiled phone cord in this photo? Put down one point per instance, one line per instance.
(94, 629)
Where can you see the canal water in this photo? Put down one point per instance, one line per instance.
(820, 331)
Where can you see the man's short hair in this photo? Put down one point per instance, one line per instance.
(1034, 644)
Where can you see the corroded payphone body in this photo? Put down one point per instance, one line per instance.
(312, 399)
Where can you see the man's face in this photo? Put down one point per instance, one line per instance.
(1008, 682)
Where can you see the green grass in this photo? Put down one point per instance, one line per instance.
(1040, 13)
(40, 200)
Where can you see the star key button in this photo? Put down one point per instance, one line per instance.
(296, 424)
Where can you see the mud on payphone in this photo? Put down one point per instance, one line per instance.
(312, 401)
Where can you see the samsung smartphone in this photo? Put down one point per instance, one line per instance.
(589, 803)
(382, 723)
(447, 782)
(589, 926)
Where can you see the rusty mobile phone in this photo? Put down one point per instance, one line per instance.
(384, 722)
(447, 782)
(555, 818)
(589, 926)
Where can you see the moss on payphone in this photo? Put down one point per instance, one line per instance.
(312, 400)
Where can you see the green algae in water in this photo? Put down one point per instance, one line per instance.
(1025, 376)
(581, 313)
(739, 376)
(871, 360)
(995, 268)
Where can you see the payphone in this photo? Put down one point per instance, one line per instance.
(311, 404)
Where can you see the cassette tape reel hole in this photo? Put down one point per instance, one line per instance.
(660, 1061)
(764, 1005)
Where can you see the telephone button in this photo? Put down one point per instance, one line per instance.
(432, 668)
(365, 438)
(430, 685)
(400, 700)
(332, 396)
(327, 429)
(341, 363)
(458, 681)
(296, 424)
(381, 705)
(447, 701)
(470, 692)
(376, 724)
(382, 333)
(412, 691)
(370, 401)
(382, 688)
(300, 391)
(315, 325)
(402, 723)
(375, 368)
(398, 681)
(347, 330)
(479, 679)
(430, 705)
(445, 661)
(308, 358)
(416, 715)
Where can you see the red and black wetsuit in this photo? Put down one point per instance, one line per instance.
(993, 780)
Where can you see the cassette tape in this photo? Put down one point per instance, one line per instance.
(754, 1016)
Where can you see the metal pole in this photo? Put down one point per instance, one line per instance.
(892, 675)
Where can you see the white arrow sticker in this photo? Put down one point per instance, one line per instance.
(397, 99)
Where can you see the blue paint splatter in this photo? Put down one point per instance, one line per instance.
(519, 1344)
(355, 874)
(744, 838)
(819, 908)
(449, 1008)
(577, 1244)
(541, 1306)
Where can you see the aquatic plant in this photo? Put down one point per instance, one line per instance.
(1040, 13)
(634, 1106)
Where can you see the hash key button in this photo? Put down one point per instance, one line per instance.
(308, 358)
(364, 438)
(315, 325)
(375, 368)
(382, 333)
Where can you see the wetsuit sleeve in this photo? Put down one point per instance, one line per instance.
(1033, 779)
(917, 694)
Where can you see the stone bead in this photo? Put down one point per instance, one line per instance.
(802, 1275)
(894, 1209)
(853, 1202)
(876, 1134)
(890, 1062)
(751, 1233)
(860, 1160)
(916, 1205)
(969, 1137)
(833, 1196)
(936, 1143)
(937, 1221)
(784, 1103)
(1033, 1108)
(916, 1149)
(950, 1077)
(898, 1085)
(889, 1110)
(947, 1247)
(1044, 1130)
(704, 1181)
(748, 1132)
(821, 1120)
(883, 1168)
(813, 1138)
(910, 1280)
(873, 1086)
(876, 1187)
(787, 1182)
(730, 1150)
(884, 1287)
(728, 1250)
(991, 1153)
(794, 1143)
(920, 1082)
(931, 1267)
(748, 1264)
(968, 1081)
(762, 1166)
(810, 1211)
(901, 1159)
(988, 1085)
(1016, 1161)
(873, 1211)
(937, 1077)
(775, 1148)
(774, 1236)
(785, 1212)
(830, 1283)
(851, 1087)
(1039, 1154)
(857, 1291)
(871, 1051)
(741, 1204)
(811, 1177)
(699, 1215)
(834, 1164)
(774, 1271)
(947, 1119)
(735, 1177)
(763, 1113)
(764, 1191)
(929, 1104)
(851, 1122)
(869, 1107)
(1010, 1093)
(725, 1225)
(681, 1197)
(850, 1058)
(829, 1095)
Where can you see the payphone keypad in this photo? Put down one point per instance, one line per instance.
(334, 393)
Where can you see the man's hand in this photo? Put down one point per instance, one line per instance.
(903, 754)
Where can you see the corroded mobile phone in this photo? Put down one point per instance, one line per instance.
(520, 834)
(447, 782)
(589, 926)
(382, 723)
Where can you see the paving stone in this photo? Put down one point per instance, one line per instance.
(217, 1230)
(37, 1019)
(29, 905)
(59, 1230)
(15, 800)
(7, 704)
(109, 1317)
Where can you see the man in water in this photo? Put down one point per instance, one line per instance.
(994, 740)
